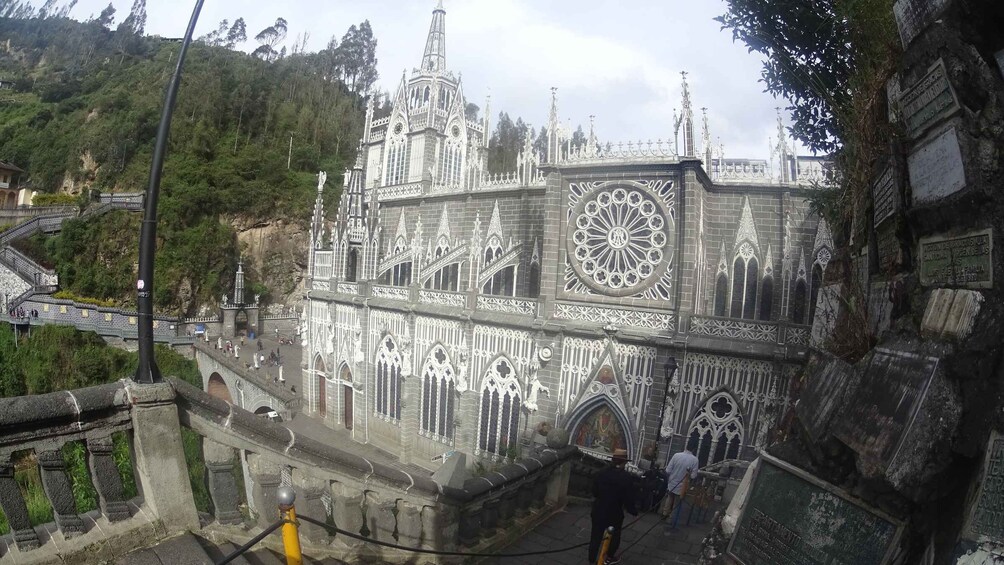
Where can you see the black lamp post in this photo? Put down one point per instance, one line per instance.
(147, 371)
(670, 370)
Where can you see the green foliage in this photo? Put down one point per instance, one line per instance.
(29, 481)
(34, 247)
(192, 444)
(84, 494)
(122, 454)
(59, 199)
(90, 112)
(808, 59)
(68, 295)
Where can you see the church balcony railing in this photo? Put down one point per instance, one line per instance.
(767, 332)
(390, 292)
(347, 288)
(377, 136)
(419, 122)
(632, 151)
(507, 304)
(442, 298)
(380, 122)
(400, 191)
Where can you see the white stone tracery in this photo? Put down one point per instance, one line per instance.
(388, 364)
(718, 428)
(498, 422)
(438, 398)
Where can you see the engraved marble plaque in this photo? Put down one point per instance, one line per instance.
(885, 196)
(986, 518)
(965, 260)
(1000, 61)
(892, 92)
(928, 101)
(913, 16)
(793, 517)
(936, 168)
(878, 417)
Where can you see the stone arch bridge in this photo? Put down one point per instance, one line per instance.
(226, 378)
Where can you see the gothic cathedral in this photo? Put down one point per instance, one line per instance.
(632, 294)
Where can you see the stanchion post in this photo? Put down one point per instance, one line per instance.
(607, 536)
(290, 534)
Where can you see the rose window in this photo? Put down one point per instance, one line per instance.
(620, 242)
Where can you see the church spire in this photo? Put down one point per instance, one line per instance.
(686, 119)
(434, 59)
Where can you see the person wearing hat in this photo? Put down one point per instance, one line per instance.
(613, 493)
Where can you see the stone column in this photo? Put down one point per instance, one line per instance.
(440, 527)
(409, 524)
(161, 470)
(470, 525)
(308, 503)
(524, 497)
(267, 477)
(507, 508)
(347, 511)
(59, 491)
(539, 492)
(14, 508)
(222, 484)
(107, 480)
(557, 485)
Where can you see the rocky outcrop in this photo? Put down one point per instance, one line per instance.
(275, 255)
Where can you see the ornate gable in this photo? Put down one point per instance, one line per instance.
(747, 227)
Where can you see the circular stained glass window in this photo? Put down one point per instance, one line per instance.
(620, 240)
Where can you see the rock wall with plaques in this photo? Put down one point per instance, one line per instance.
(913, 429)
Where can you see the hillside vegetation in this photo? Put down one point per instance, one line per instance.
(84, 112)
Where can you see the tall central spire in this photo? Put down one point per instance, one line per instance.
(434, 59)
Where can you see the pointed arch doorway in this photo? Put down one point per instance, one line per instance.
(347, 393)
(322, 381)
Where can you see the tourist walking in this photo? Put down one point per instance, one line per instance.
(682, 469)
(613, 492)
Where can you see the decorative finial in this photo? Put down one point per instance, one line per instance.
(439, 5)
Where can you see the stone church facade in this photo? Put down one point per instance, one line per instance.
(449, 309)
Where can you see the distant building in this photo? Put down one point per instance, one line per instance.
(450, 309)
(11, 194)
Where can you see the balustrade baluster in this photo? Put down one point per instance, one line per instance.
(59, 491)
(507, 507)
(107, 481)
(524, 498)
(489, 517)
(15, 509)
(470, 525)
(539, 491)
(222, 483)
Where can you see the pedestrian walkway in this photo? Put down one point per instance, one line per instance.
(659, 546)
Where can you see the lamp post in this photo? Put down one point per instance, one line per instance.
(670, 370)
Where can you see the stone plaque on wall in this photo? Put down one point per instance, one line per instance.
(965, 260)
(928, 101)
(936, 168)
(913, 16)
(986, 518)
(885, 196)
(1000, 61)
(878, 417)
(791, 516)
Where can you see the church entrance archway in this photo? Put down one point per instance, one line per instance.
(241, 323)
(263, 410)
(346, 377)
(322, 393)
(217, 388)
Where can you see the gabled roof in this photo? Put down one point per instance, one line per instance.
(10, 167)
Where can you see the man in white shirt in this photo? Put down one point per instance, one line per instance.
(680, 466)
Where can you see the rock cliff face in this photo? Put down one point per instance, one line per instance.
(277, 257)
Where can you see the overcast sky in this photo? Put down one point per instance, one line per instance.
(618, 60)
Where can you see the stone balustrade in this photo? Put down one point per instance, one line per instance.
(378, 499)
(766, 333)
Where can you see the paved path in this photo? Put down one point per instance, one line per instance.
(659, 546)
(289, 356)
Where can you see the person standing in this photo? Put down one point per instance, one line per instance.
(613, 492)
(682, 469)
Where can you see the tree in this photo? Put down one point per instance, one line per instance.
(808, 59)
(107, 17)
(471, 112)
(237, 34)
(269, 38)
(135, 22)
(216, 36)
(357, 58)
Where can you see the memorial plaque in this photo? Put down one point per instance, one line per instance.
(930, 100)
(885, 196)
(964, 260)
(1000, 61)
(823, 395)
(936, 169)
(876, 419)
(913, 16)
(986, 519)
(892, 91)
(792, 517)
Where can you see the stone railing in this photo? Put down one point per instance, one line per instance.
(631, 151)
(509, 305)
(105, 321)
(21, 213)
(48, 223)
(390, 292)
(45, 423)
(780, 333)
(442, 298)
(32, 272)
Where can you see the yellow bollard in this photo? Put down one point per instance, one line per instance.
(606, 545)
(290, 532)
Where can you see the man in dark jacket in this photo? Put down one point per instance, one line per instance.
(613, 492)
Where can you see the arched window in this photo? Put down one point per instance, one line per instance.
(718, 429)
(438, 396)
(388, 379)
(721, 295)
(766, 298)
(501, 282)
(450, 163)
(397, 156)
(744, 283)
(815, 283)
(498, 423)
(425, 98)
(798, 303)
(448, 277)
(351, 264)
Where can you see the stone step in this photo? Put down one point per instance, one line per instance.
(181, 550)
